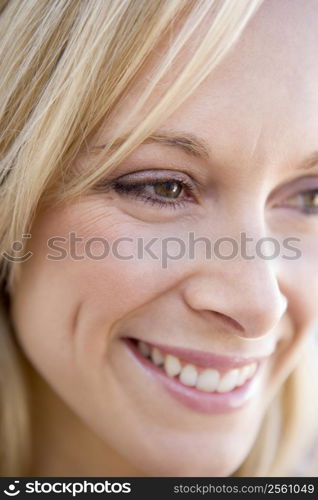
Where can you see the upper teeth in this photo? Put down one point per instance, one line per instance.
(204, 379)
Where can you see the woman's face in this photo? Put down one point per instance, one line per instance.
(236, 161)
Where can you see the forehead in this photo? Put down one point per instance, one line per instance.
(264, 90)
(275, 61)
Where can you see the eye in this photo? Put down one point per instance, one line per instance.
(306, 201)
(168, 189)
(172, 190)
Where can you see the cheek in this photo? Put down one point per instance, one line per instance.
(69, 300)
(301, 283)
(297, 284)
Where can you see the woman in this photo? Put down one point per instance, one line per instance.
(159, 227)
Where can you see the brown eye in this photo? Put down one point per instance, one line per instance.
(310, 199)
(306, 201)
(163, 191)
(168, 189)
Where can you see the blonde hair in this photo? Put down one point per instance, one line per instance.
(64, 66)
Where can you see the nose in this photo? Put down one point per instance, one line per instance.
(244, 292)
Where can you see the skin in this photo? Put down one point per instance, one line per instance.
(95, 411)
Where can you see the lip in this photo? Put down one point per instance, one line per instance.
(206, 359)
(192, 398)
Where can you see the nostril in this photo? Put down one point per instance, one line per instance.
(228, 321)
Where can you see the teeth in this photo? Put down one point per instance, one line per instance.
(189, 375)
(172, 365)
(157, 357)
(228, 381)
(252, 371)
(243, 375)
(206, 380)
(144, 349)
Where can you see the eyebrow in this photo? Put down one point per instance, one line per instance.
(310, 162)
(188, 143)
(194, 146)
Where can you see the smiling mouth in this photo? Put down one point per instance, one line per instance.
(202, 381)
(194, 375)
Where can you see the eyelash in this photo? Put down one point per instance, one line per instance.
(307, 211)
(136, 190)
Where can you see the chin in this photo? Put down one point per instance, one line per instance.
(222, 467)
(188, 461)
